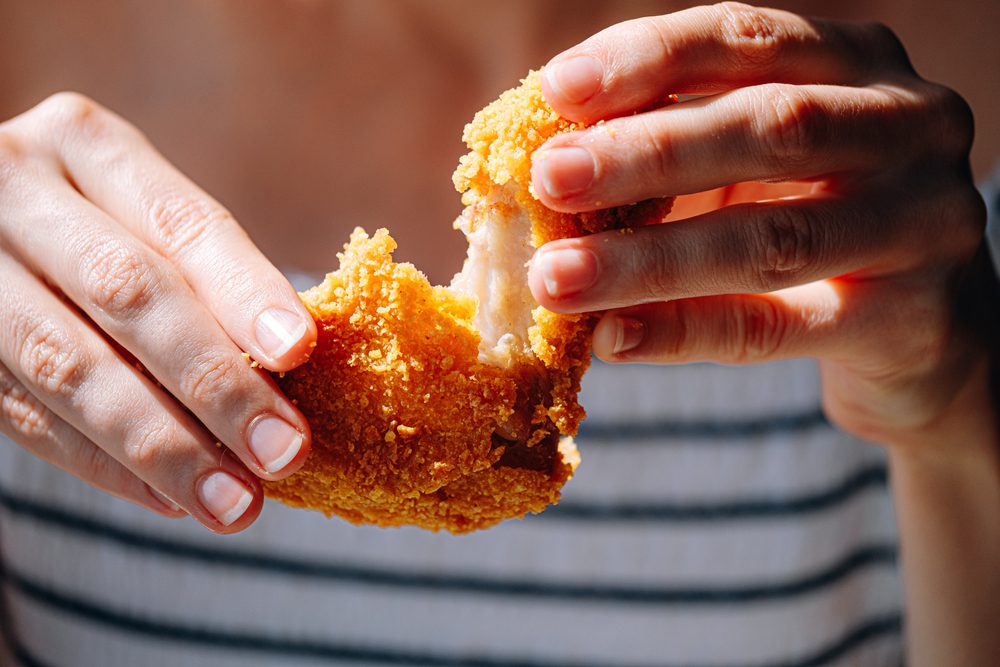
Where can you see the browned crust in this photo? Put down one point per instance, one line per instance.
(403, 413)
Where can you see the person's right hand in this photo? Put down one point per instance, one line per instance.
(112, 263)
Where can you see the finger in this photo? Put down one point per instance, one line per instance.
(749, 248)
(688, 206)
(114, 166)
(733, 329)
(633, 65)
(862, 325)
(762, 133)
(76, 375)
(138, 298)
(26, 421)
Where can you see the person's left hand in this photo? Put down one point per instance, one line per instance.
(836, 216)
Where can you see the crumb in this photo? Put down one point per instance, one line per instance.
(446, 440)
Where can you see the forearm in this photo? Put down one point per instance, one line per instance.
(946, 487)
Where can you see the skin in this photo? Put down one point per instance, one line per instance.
(864, 270)
(826, 209)
(141, 251)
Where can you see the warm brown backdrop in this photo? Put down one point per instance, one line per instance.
(307, 117)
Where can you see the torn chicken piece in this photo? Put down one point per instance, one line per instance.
(451, 407)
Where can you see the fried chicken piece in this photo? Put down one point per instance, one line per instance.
(451, 408)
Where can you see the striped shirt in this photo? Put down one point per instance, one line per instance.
(717, 519)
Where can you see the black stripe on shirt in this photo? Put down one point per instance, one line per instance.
(20, 652)
(248, 641)
(361, 574)
(869, 477)
(729, 431)
(8, 633)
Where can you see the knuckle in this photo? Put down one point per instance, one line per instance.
(116, 278)
(783, 245)
(658, 149)
(22, 411)
(97, 467)
(148, 446)
(76, 116)
(237, 283)
(653, 270)
(968, 220)
(12, 149)
(12, 156)
(749, 31)
(50, 361)
(788, 130)
(73, 111)
(884, 45)
(656, 31)
(952, 118)
(182, 221)
(757, 329)
(678, 342)
(212, 378)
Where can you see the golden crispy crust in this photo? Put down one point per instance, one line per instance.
(404, 415)
(402, 410)
(502, 139)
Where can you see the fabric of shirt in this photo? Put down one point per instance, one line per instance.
(716, 519)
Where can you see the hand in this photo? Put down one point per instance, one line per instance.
(825, 206)
(128, 296)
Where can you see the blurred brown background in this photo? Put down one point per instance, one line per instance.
(308, 117)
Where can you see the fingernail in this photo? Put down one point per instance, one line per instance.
(278, 330)
(167, 502)
(274, 442)
(565, 172)
(567, 272)
(224, 496)
(577, 79)
(629, 332)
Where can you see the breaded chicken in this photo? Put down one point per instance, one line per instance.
(451, 407)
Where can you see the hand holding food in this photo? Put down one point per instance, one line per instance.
(825, 207)
(451, 407)
(129, 299)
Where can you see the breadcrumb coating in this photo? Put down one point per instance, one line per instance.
(413, 421)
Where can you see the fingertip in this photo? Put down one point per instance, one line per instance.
(616, 335)
(561, 273)
(570, 81)
(230, 499)
(305, 447)
(245, 521)
(562, 175)
(285, 338)
(536, 277)
(249, 517)
(603, 341)
(279, 445)
(164, 505)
